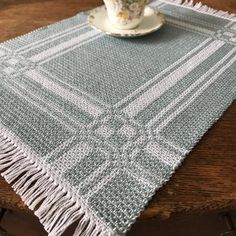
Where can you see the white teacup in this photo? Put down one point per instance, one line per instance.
(125, 14)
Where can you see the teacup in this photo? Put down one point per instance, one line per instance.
(125, 14)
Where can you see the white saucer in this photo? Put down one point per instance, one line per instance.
(152, 21)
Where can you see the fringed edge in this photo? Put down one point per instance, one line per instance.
(53, 204)
(199, 7)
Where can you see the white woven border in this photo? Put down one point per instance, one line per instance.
(199, 7)
(55, 204)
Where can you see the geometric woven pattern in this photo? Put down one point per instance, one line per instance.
(92, 126)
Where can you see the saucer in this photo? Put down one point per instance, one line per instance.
(152, 21)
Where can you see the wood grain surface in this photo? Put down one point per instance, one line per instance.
(207, 178)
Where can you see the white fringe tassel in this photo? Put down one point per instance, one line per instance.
(202, 8)
(51, 203)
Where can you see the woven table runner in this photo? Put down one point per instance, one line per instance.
(92, 126)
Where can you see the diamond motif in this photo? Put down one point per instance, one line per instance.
(229, 34)
(105, 131)
(127, 131)
(12, 61)
(226, 35)
(8, 70)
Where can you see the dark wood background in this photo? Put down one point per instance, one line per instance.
(207, 179)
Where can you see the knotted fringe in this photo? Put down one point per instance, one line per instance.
(202, 8)
(51, 203)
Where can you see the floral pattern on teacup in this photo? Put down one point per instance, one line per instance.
(128, 10)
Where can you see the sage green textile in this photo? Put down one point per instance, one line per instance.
(92, 126)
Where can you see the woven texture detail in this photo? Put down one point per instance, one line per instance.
(92, 126)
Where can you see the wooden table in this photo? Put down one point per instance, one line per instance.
(207, 179)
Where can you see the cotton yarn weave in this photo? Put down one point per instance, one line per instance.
(92, 126)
